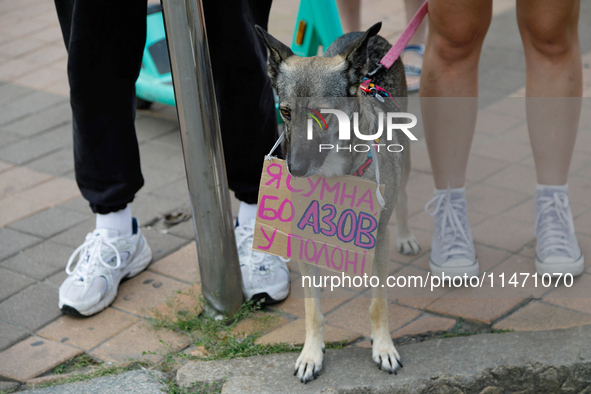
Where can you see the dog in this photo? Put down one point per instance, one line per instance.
(335, 75)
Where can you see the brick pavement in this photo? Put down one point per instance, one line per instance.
(43, 217)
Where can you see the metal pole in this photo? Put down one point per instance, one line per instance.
(221, 281)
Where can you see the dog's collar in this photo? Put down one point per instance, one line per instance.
(371, 89)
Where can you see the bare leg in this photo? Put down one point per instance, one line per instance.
(549, 30)
(456, 32)
(350, 12)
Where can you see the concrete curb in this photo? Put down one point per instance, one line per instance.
(140, 382)
(557, 361)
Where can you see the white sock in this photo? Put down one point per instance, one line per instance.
(458, 192)
(247, 212)
(552, 188)
(119, 221)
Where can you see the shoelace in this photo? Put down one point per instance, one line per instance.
(454, 240)
(91, 246)
(552, 237)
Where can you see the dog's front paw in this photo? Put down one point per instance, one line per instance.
(385, 355)
(309, 363)
(407, 244)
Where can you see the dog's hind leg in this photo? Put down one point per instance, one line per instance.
(383, 351)
(309, 362)
(405, 240)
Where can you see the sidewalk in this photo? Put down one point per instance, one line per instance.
(43, 217)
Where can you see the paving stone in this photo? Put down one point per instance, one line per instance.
(88, 332)
(148, 207)
(504, 232)
(425, 325)
(162, 244)
(56, 164)
(28, 149)
(518, 178)
(32, 357)
(176, 190)
(9, 92)
(144, 291)
(411, 294)
(294, 303)
(10, 334)
(359, 308)
(577, 297)
(156, 178)
(149, 127)
(480, 168)
(518, 266)
(74, 236)
(33, 307)
(182, 264)
(14, 208)
(490, 122)
(56, 280)
(12, 241)
(18, 178)
(51, 193)
(186, 301)
(78, 204)
(40, 261)
(5, 166)
(41, 121)
(183, 230)
(473, 304)
(260, 322)
(295, 333)
(492, 200)
(137, 339)
(11, 282)
(539, 316)
(49, 222)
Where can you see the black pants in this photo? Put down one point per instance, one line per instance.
(105, 41)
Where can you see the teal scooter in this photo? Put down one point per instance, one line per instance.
(317, 24)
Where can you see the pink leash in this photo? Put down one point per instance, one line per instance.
(394, 52)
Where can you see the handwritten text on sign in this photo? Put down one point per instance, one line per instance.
(328, 222)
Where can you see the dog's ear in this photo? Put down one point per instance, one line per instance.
(278, 53)
(355, 55)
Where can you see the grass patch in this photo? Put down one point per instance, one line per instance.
(219, 337)
(102, 369)
(74, 364)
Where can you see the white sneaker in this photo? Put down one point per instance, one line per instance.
(452, 247)
(104, 259)
(557, 249)
(263, 275)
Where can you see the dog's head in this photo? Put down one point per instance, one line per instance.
(313, 82)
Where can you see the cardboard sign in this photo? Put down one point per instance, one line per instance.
(328, 222)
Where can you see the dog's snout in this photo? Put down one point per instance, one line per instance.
(296, 168)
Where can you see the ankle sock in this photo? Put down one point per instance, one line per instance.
(247, 212)
(458, 192)
(119, 221)
(551, 189)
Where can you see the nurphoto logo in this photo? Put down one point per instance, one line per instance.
(391, 122)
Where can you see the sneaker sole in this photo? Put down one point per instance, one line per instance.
(575, 268)
(272, 294)
(452, 272)
(139, 263)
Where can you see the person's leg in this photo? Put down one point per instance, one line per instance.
(456, 32)
(102, 69)
(549, 30)
(350, 13)
(249, 128)
(449, 90)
